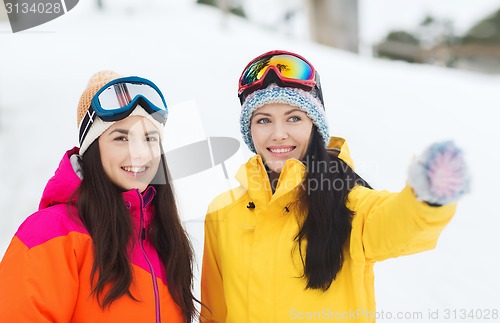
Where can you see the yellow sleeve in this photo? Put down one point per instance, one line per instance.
(395, 224)
(212, 289)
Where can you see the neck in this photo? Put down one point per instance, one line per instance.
(273, 179)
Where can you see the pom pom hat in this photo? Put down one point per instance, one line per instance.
(281, 77)
(98, 126)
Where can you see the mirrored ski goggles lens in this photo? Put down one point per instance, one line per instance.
(288, 66)
(116, 98)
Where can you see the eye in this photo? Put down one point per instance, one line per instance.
(121, 138)
(294, 119)
(152, 139)
(263, 120)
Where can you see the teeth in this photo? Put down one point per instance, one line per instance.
(281, 150)
(134, 169)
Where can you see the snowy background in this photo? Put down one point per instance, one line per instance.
(388, 111)
(378, 16)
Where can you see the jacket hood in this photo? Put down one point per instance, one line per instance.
(62, 184)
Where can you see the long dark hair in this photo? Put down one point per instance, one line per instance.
(328, 221)
(103, 212)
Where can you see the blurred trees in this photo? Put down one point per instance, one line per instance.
(411, 46)
(227, 6)
(434, 41)
(399, 45)
(486, 31)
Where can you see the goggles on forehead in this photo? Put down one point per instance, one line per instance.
(117, 99)
(280, 67)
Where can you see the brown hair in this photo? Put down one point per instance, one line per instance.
(102, 209)
(327, 225)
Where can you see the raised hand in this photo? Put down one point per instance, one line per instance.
(439, 175)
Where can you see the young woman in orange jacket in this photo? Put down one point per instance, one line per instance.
(106, 244)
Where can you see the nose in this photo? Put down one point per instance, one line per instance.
(139, 150)
(280, 132)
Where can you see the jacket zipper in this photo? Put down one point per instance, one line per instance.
(142, 237)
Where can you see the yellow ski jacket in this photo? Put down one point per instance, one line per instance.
(251, 264)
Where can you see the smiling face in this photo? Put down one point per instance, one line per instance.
(130, 152)
(279, 132)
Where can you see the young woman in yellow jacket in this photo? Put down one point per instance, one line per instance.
(298, 239)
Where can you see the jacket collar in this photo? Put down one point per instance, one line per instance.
(135, 201)
(340, 145)
(254, 179)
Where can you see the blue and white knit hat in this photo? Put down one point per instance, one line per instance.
(305, 101)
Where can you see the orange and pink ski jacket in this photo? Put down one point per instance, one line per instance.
(45, 272)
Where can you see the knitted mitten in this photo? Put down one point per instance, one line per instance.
(440, 175)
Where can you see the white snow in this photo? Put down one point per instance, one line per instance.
(388, 111)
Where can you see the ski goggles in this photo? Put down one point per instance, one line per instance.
(117, 99)
(282, 67)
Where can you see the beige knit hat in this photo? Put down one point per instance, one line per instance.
(98, 126)
(96, 82)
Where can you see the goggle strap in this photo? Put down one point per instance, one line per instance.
(87, 120)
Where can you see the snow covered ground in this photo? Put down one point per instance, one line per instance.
(388, 111)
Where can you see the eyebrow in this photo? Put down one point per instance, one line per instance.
(286, 113)
(293, 110)
(125, 132)
(122, 131)
(152, 132)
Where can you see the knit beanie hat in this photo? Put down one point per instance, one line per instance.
(98, 126)
(305, 101)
